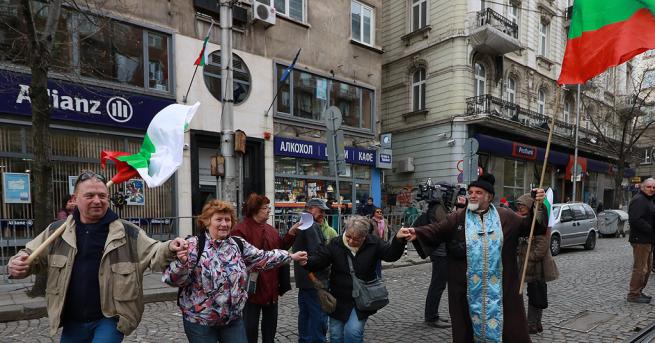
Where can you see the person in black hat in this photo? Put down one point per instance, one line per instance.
(483, 279)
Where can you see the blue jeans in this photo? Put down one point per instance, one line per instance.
(351, 331)
(98, 331)
(235, 332)
(312, 321)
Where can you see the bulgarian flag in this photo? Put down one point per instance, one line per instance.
(548, 204)
(606, 33)
(162, 149)
(203, 56)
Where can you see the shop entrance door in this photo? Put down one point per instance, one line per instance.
(608, 198)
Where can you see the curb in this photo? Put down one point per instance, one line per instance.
(36, 310)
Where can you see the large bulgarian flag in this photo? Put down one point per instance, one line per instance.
(162, 149)
(606, 33)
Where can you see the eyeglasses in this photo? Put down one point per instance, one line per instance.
(378, 212)
(86, 175)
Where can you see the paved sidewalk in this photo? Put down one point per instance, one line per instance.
(16, 305)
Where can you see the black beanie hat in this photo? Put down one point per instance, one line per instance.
(485, 181)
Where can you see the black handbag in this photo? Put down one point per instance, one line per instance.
(369, 295)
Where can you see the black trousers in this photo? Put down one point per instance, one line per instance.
(251, 315)
(437, 286)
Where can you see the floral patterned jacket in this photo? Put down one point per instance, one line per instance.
(214, 293)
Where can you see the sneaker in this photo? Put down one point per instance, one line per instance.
(437, 324)
(533, 329)
(639, 300)
(646, 296)
(443, 320)
(540, 328)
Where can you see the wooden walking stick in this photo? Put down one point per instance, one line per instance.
(537, 205)
(41, 248)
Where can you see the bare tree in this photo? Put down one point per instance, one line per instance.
(620, 127)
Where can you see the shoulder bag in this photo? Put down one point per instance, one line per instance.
(369, 295)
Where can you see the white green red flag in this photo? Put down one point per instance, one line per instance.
(162, 149)
(548, 204)
(203, 57)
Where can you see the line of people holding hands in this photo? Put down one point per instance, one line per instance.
(229, 275)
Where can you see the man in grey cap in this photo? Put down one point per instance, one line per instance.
(312, 321)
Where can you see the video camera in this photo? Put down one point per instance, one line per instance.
(440, 192)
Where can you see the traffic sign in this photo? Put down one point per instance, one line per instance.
(333, 118)
(471, 146)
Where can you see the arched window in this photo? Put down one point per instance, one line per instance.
(480, 79)
(511, 90)
(541, 102)
(418, 90)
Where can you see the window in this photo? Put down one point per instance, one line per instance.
(294, 9)
(514, 179)
(543, 38)
(241, 74)
(418, 90)
(480, 79)
(95, 47)
(567, 111)
(511, 90)
(513, 16)
(362, 23)
(541, 102)
(483, 5)
(419, 14)
(306, 95)
(646, 156)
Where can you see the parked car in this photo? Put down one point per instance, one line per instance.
(575, 224)
(613, 223)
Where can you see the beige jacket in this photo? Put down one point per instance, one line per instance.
(128, 253)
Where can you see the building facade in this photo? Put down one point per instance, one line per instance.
(140, 56)
(455, 70)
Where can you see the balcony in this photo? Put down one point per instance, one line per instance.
(496, 107)
(494, 34)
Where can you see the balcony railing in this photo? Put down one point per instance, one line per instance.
(487, 104)
(494, 34)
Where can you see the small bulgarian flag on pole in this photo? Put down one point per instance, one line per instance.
(203, 56)
(162, 149)
(606, 33)
(548, 204)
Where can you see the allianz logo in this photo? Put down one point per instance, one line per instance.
(117, 108)
(525, 151)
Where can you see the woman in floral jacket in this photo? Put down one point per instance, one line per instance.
(213, 286)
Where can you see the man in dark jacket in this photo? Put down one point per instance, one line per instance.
(640, 214)
(436, 212)
(312, 321)
(368, 208)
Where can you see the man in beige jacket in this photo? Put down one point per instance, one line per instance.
(95, 268)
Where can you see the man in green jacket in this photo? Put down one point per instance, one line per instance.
(95, 268)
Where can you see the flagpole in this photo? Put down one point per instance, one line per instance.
(287, 72)
(574, 179)
(197, 65)
(538, 205)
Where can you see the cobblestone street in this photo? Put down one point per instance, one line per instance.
(590, 280)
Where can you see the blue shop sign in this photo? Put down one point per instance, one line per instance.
(318, 151)
(81, 103)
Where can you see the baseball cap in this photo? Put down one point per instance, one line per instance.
(318, 203)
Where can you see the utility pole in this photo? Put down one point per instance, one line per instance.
(228, 185)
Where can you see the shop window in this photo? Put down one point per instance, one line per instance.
(241, 83)
(513, 179)
(361, 172)
(313, 167)
(285, 165)
(311, 94)
(362, 20)
(362, 192)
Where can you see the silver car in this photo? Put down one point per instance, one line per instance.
(575, 224)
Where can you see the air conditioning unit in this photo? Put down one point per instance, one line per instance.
(405, 165)
(263, 14)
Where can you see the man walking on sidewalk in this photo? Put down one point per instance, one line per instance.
(95, 268)
(640, 213)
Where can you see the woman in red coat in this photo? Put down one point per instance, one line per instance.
(263, 302)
